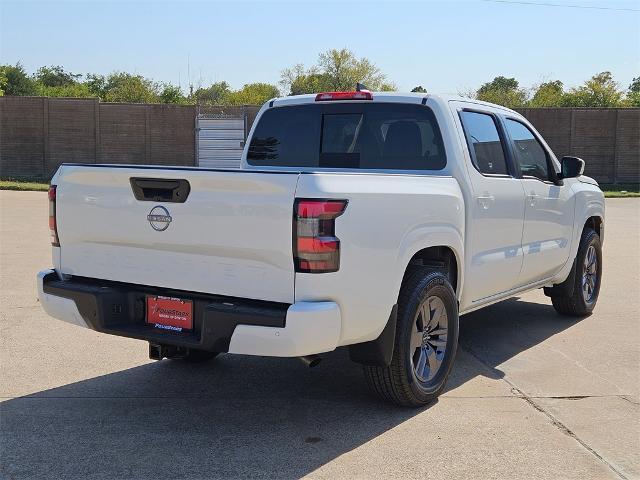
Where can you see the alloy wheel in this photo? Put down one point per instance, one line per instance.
(429, 339)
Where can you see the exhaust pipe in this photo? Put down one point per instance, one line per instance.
(310, 360)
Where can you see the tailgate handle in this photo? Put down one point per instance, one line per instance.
(160, 189)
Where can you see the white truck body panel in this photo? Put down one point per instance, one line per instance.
(388, 220)
(548, 228)
(494, 216)
(232, 236)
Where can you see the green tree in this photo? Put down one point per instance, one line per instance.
(172, 94)
(633, 94)
(344, 70)
(128, 88)
(419, 89)
(3, 82)
(217, 94)
(55, 76)
(336, 70)
(502, 91)
(299, 80)
(254, 94)
(17, 81)
(70, 90)
(96, 84)
(548, 94)
(599, 91)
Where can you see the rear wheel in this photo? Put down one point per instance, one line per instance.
(425, 343)
(586, 283)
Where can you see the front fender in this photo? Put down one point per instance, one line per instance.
(589, 203)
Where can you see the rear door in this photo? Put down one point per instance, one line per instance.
(231, 235)
(494, 231)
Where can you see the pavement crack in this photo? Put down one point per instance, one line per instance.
(554, 421)
(576, 397)
(633, 402)
(563, 428)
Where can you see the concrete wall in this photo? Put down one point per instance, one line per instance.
(39, 133)
(608, 139)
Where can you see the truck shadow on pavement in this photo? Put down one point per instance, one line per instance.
(237, 417)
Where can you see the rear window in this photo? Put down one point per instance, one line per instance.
(348, 135)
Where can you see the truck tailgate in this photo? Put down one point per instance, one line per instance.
(232, 236)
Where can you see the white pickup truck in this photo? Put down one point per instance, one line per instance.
(361, 220)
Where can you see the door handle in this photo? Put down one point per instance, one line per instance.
(160, 189)
(533, 199)
(486, 200)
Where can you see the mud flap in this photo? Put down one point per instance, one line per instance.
(377, 352)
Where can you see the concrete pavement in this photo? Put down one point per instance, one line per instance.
(533, 394)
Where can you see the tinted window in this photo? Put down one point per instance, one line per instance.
(348, 135)
(529, 154)
(486, 149)
(286, 137)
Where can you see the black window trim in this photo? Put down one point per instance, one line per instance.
(351, 107)
(513, 172)
(551, 168)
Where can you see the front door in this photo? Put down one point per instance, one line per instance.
(495, 216)
(549, 208)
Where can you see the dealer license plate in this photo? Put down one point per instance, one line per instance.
(169, 313)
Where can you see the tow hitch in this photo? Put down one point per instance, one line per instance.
(158, 351)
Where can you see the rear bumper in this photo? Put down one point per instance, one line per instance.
(221, 324)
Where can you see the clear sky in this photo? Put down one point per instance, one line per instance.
(445, 46)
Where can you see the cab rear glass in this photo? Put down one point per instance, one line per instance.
(358, 135)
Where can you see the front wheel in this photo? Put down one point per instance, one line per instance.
(425, 343)
(586, 286)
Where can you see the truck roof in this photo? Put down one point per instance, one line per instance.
(389, 97)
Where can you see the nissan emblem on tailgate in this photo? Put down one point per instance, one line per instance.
(159, 218)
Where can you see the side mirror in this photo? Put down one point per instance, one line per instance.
(571, 167)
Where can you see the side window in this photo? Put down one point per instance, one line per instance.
(487, 152)
(530, 156)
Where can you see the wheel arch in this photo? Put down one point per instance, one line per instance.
(444, 246)
(441, 258)
(595, 222)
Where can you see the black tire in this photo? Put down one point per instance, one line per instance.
(195, 356)
(399, 383)
(581, 303)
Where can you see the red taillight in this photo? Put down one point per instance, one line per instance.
(329, 96)
(52, 216)
(316, 247)
(320, 208)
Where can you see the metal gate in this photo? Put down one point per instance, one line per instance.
(220, 138)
